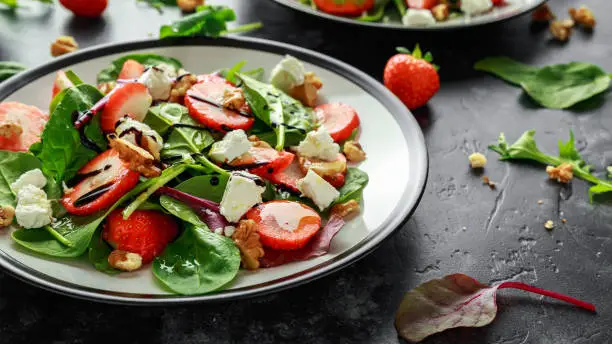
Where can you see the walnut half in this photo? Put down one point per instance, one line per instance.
(63, 45)
(7, 213)
(189, 6)
(246, 238)
(353, 151)
(138, 159)
(563, 173)
(345, 209)
(561, 29)
(307, 92)
(583, 16)
(125, 261)
(234, 99)
(542, 14)
(441, 12)
(182, 84)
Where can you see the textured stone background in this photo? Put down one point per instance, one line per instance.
(460, 226)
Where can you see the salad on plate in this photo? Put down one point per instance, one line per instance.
(194, 176)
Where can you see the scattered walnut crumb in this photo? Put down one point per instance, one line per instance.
(561, 29)
(489, 182)
(563, 220)
(441, 12)
(307, 92)
(182, 84)
(63, 45)
(246, 238)
(233, 99)
(353, 151)
(542, 14)
(257, 142)
(345, 209)
(563, 173)
(138, 159)
(10, 129)
(549, 225)
(540, 201)
(125, 261)
(7, 213)
(189, 6)
(477, 160)
(583, 16)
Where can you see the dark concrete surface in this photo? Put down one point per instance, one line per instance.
(460, 226)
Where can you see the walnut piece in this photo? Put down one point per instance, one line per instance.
(189, 6)
(7, 213)
(441, 12)
(182, 84)
(477, 160)
(307, 92)
(542, 14)
(10, 129)
(106, 87)
(257, 142)
(125, 261)
(353, 151)
(138, 159)
(321, 167)
(345, 209)
(489, 182)
(561, 29)
(63, 45)
(246, 238)
(233, 99)
(563, 173)
(583, 16)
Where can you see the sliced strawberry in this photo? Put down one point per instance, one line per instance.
(288, 177)
(131, 69)
(339, 119)
(422, 4)
(145, 232)
(204, 101)
(20, 126)
(337, 180)
(344, 7)
(99, 184)
(61, 82)
(132, 99)
(263, 161)
(285, 225)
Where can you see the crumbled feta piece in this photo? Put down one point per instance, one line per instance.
(471, 7)
(158, 83)
(317, 189)
(415, 17)
(33, 177)
(319, 144)
(288, 73)
(234, 144)
(33, 208)
(242, 192)
(228, 231)
(169, 70)
(131, 130)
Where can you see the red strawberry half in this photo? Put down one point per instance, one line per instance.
(132, 99)
(99, 184)
(263, 161)
(131, 69)
(61, 82)
(288, 177)
(146, 232)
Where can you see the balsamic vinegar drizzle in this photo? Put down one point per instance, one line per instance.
(210, 102)
(82, 176)
(258, 181)
(93, 195)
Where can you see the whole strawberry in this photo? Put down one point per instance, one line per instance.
(412, 77)
(85, 8)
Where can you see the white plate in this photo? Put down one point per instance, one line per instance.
(512, 9)
(396, 164)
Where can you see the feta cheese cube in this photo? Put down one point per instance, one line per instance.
(319, 144)
(242, 192)
(415, 17)
(33, 208)
(33, 177)
(158, 83)
(234, 144)
(317, 189)
(471, 7)
(288, 73)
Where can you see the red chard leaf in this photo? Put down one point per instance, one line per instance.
(208, 211)
(317, 246)
(457, 301)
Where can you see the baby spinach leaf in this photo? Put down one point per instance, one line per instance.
(506, 68)
(561, 86)
(8, 69)
(111, 72)
(356, 180)
(210, 187)
(98, 253)
(207, 21)
(12, 166)
(198, 262)
(230, 74)
(61, 151)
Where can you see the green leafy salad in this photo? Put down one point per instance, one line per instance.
(198, 175)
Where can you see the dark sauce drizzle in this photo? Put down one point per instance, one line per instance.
(84, 139)
(93, 195)
(258, 181)
(208, 101)
(82, 176)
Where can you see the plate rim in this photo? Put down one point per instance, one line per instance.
(398, 217)
(295, 5)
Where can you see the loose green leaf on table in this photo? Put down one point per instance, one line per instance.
(506, 68)
(198, 262)
(111, 72)
(8, 69)
(525, 148)
(457, 301)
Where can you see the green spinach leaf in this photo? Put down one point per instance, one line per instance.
(210, 187)
(111, 72)
(98, 253)
(12, 166)
(8, 69)
(356, 180)
(230, 74)
(198, 262)
(508, 69)
(207, 21)
(376, 14)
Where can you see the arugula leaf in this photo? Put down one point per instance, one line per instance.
(12, 166)
(98, 253)
(210, 187)
(356, 180)
(401, 7)
(207, 21)
(111, 72)
(525, 148)
(198, 262)
(8, 69)
(557, 86)
(60, 150)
